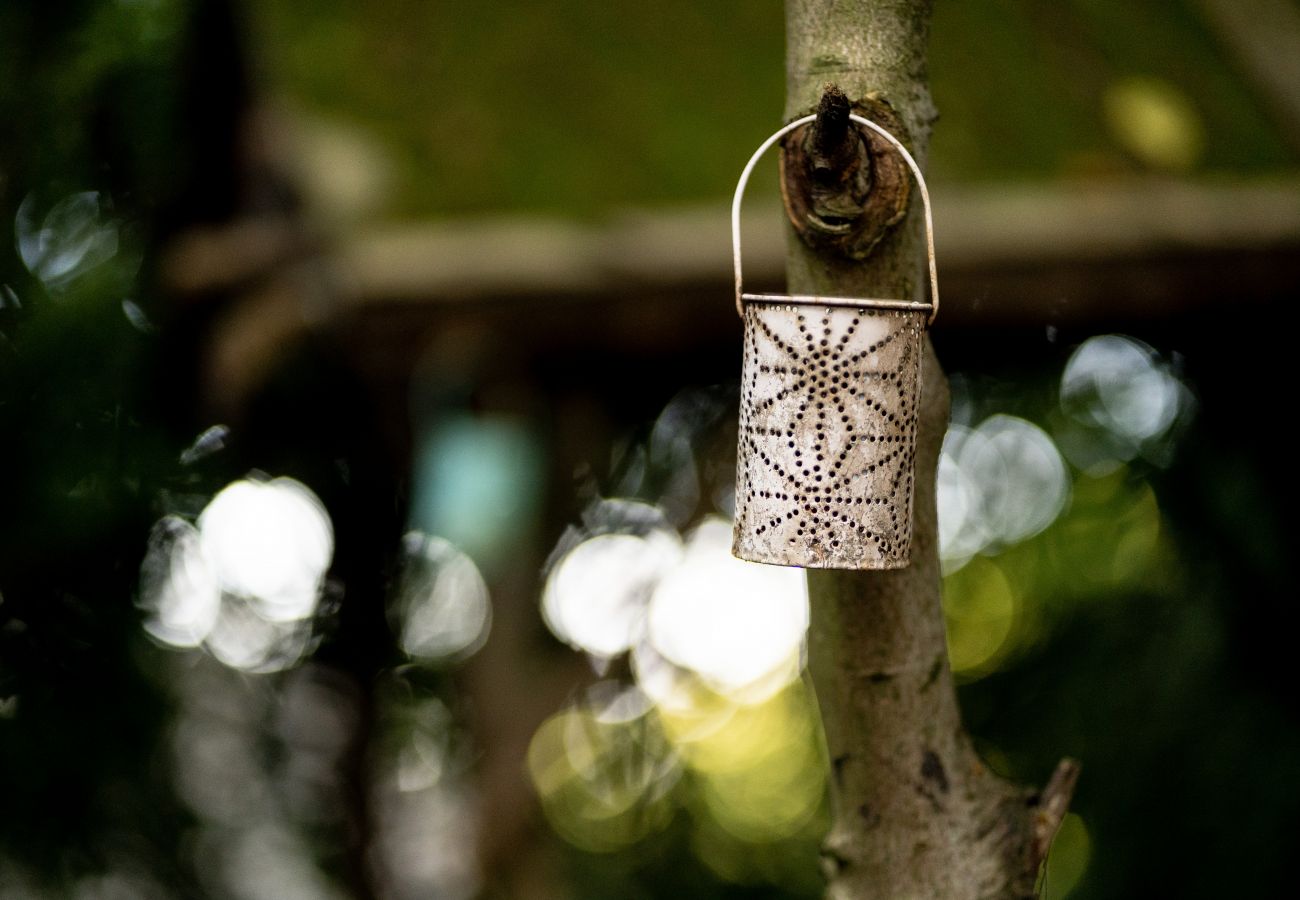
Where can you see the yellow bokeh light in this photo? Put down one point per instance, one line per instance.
(1068, 859)
(760, 772)
(1155, 121)
(603, 784)
(694, 712)
(981, 611)
(1111, 536)
(744, 735)
(768, 801)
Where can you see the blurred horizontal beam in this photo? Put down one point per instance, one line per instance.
(980, 230)
(657, 286)
(519, 257)
(1018, 224)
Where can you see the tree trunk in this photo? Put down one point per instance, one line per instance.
(915, 812)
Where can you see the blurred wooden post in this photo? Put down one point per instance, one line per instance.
(916, 814)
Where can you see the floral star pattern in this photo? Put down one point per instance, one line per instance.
(827, 435)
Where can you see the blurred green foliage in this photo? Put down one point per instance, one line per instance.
(1021, 88)
(582, 108)
(566, 106)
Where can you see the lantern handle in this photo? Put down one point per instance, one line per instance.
(907, 157)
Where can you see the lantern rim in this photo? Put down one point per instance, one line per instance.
(863, 303)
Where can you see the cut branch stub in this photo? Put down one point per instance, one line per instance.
(844, 186)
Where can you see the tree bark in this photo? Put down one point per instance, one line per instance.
(915, 812)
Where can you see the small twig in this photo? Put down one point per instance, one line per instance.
(843, 186)
(833, 147)
(1053, 803)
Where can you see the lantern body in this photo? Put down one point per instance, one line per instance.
(827, 440)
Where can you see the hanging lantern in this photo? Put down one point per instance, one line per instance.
(828, 410)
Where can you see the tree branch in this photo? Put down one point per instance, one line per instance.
(916, 814)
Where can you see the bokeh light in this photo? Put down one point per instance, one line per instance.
(1013, 515)
(736, 624)
(261, 767)
(1155, 121)
(713, 722)
(692, 706)
(1112, 536)
(269, 862)
(982, 611)
(72, 238)
(1068, 859)
(595, 598)
(137, 317)
(211, 440)
(441, 603)
(1122, 400)
(684, 606)
(603, 773)
(269, 542)
(998, 484)
(246, 580)
(427, 812)
(177, 585)
(759, 772)
(243, 638)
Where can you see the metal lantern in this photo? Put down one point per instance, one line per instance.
(828, 409)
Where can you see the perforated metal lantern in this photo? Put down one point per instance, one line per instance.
(828, 409)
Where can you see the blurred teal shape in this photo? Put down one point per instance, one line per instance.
(478, 483)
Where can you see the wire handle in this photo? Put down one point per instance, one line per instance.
(741, 297)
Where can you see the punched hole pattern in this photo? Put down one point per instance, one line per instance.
(827, 438)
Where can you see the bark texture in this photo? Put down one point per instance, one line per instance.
(916, 814)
